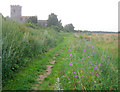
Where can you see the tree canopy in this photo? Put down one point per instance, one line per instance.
(32, 20)
(69, 28)
(52, 20)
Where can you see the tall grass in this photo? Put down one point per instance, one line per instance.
(89, 67)
(20, 44)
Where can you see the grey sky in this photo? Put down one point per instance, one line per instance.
(101, 15)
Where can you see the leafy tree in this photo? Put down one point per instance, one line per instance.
(69, 28)
(32, 20)
(52, 20)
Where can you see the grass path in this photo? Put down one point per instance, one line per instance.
(26, 78)
(58, 70)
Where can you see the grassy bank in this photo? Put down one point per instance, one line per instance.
(21, 44)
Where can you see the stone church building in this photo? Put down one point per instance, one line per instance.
(16, 14)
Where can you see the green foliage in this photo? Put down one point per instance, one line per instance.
(69, 28)
(53, 21)
(32, 20)
(20, 42)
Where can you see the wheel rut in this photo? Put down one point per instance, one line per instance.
(41, 78)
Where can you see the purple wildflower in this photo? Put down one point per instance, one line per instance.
(100, 64)
(78, 81)
(96, 74)
(88, 56)
(92, 47)
(95, 67)
(93, 51)
(101, 71)
(75, 75)
(84, 50)
(69, 50)
(74, 72)
(77, 66)
(81, 71)
(81, 75)
(70, 64)
(91, 55)
(91, 64)
(70, 54)
(68, 79)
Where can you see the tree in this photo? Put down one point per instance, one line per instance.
(69, 28)
(52, 20)
(32, 20)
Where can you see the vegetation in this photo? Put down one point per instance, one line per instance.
(20, 44)
(84, 60)
(69, 28)
(53, 21)
(32, 20)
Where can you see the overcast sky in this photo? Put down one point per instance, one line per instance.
(94, 15)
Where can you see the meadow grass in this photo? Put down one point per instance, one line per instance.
(83, 65)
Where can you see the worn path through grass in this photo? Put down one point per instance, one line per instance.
(27, 77)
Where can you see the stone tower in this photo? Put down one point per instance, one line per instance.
(16, 12)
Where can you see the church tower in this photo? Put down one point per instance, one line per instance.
(15, 11)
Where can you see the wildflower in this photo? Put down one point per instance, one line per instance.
(100, 64)
(70, 54)
(73, 76)
(88, 56)
(84, 50)
(91, 64)
(75, 73)
(81, 71)
(95, 67)
(78, 81)
(82, 58)
(93, 51)
(68, 79)
(70, 64)
(69, 50)
(96, 74)
(77, 66)
(101, 71)
(92, 47)
(91, 55)
(81, 75)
